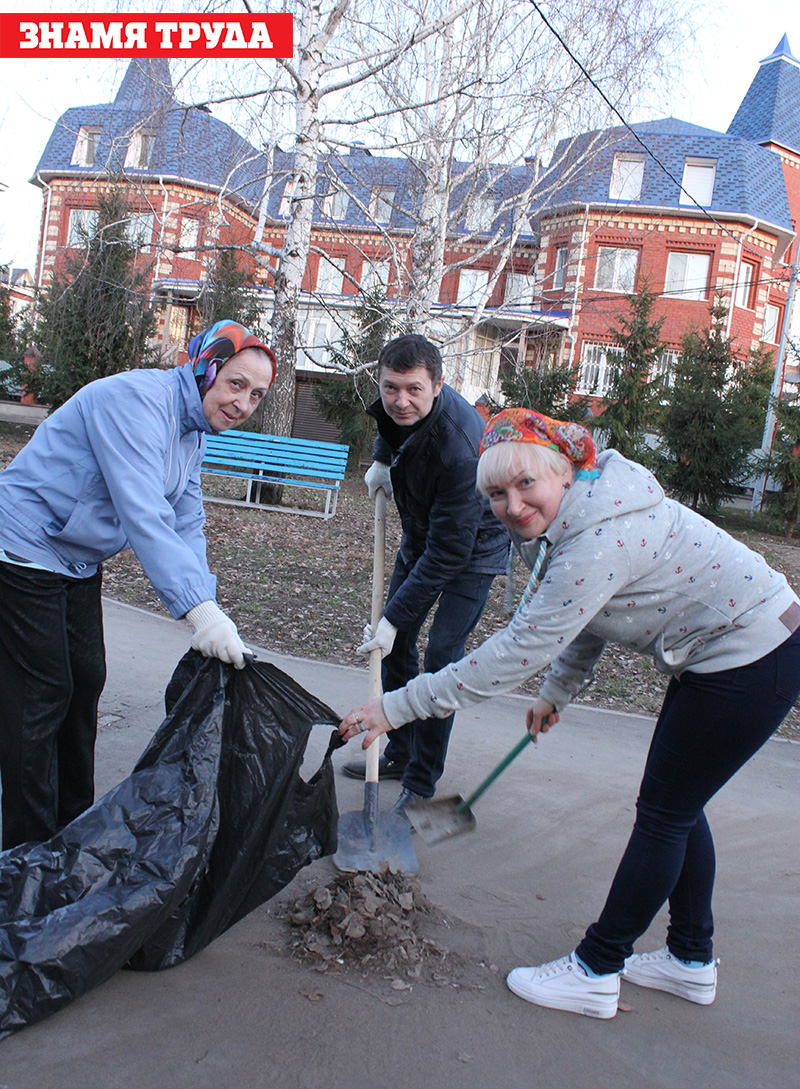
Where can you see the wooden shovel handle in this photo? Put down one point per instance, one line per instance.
(378, 566)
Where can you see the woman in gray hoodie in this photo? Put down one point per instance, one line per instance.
(613, 559)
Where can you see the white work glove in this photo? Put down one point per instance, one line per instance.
(215, 634)
(383, 639)
(378, 476)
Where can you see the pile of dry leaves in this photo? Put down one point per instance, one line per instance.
(366, 921)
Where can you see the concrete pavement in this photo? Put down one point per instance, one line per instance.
(519, 890)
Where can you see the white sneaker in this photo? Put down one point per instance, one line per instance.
(664, 972)
(564, 985)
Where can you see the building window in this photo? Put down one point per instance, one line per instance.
(178, 328)
(318, 337)
(599, 364)
(189, 236)
(772, 324)
(616, 269)
(560, 269)
(375, 276)
(330, 275)
(480, 213)
(380, 206)
(286, 197)
(663, 369)
(698, 181)
(519, 289)
(140, 148)
(626, 177)
(687, 275)
(334, 206)
(86, 146)
(139, 229)
(482, 363)
(745, 281)
(82, 226)
(472, 285)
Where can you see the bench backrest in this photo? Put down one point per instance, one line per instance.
(276, 453)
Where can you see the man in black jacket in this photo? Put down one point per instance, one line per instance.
(426, 454)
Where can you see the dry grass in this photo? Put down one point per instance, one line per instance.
(301, 586)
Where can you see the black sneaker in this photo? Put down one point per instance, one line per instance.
(387, 769)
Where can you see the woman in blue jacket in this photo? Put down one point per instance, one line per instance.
(117, 466)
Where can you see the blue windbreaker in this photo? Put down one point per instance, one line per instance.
(117, 466)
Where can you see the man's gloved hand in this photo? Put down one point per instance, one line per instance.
(378, 476)
(383, 639)
(215, 634)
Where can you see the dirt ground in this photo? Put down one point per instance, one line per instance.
(301, 585)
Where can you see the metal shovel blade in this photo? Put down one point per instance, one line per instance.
(436, 819)
(370, 840)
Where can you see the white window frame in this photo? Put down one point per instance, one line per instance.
(82, 225)
(697, 185)
(375, 275)
(317, 342)
(520, 289)
(480, 214)
(178, 329)
(330, 275)
(664, 367)
(745, 281)
(627, 175)
(685, 278)
(616, 269)
(560, 268)
(140, 225)
(189, 236)
(381, 203)
(86, 145)
(771, 326)
(472, 285)
(482, 363)
(599, 363)
(335, 204)
(140, 148)
(289, 187)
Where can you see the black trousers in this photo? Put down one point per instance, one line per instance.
(52, 671)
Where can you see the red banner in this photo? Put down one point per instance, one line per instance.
(107, 35)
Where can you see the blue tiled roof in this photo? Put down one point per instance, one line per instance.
(748, 180)
(770, 111)
(193, 145)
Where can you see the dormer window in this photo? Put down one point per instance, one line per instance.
(626, 177)
(86, 146)
(380, 207)
(140, 148)
(480, 214)
(698, 181)
(334, 205)
(287, 196)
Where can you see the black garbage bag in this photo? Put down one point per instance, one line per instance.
(214, 819)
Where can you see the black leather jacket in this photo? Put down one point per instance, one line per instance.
(448, 526)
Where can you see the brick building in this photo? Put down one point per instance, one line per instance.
(698, 212)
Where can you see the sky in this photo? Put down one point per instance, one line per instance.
(733, 37)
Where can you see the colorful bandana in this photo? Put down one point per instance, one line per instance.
(208, 351)
(525, 425)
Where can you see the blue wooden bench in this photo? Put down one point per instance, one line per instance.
(276, 459)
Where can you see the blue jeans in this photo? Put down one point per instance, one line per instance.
(710, 725)
(422, 745)
(52, 671)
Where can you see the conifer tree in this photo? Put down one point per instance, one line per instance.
(784, 465)
(9, 348)
(343, 399)
(93, 318)
(711, 423)
(631, 405)
(546, 389)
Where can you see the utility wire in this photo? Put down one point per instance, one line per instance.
(630, 129)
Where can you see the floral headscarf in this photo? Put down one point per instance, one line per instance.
(208, 351)
(525, 425)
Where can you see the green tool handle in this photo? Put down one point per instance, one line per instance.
(462, 807)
